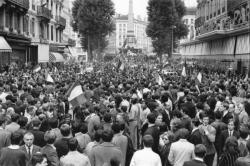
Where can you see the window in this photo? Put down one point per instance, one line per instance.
(47, 26)
(51, 5)
(51, 33)
(192, 21)
(33, 5)
(56, 35)
(33, 27)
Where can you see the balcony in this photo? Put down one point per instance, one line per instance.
(61, 22)
(21, 3)
(44, 13)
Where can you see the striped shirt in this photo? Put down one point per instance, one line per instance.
(228, 159)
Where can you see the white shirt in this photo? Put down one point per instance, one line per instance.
(74, 158)
(180, 152)
(145, 157)
(27, 149)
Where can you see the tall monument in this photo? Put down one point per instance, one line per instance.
(131, 40)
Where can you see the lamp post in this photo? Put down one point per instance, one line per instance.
(172, 39)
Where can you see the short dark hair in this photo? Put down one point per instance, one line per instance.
(65, 130)
(116, 128)
(50, 137)
(23, 121)
(37, 158)
(98, 135)
(218, 114)
(107, 135)
(72, 143)
(243, 132)
(200, 150)
(107, 117)
(36, 123)
(151, 118)
(76, 126)
(53, 123)
(16, 138)
(182, 133)
(148, 140)
(2, 120)
(14, 117)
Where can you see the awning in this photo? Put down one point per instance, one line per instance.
(56, 57)
(4, 46)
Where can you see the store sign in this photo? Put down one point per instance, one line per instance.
(238, 16)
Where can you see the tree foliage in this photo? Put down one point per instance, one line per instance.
(165, 16)
(93, 19)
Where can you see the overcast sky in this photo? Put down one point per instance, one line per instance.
(140, 6)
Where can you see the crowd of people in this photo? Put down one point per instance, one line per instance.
(129, 118)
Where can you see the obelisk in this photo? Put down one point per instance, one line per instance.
(131, 40)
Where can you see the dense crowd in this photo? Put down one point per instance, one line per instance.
(128, 118)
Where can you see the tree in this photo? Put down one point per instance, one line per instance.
(165, 17)
(93, 19)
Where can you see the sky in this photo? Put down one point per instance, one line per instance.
(140, 6)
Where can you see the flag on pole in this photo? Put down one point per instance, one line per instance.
(183, 73)
(159, 79)
(197, 87)
(49, 78)
(199, 77)
(76, 97)
(246, 78)
(139, 94)
(37, 68)
(122, 67)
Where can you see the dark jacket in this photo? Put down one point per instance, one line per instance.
(195, 137)
(194, 163)
(225, 135)
(34, 150)
(62, 147)
(155, 133)
(51, 155)
(38, 137)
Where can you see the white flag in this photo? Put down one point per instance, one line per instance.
(183, 73)
(246, 78)
(159, 80)
(49, 79)
(199, 77)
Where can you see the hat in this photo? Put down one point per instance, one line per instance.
(200, 148)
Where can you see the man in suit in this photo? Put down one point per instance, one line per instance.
(219, 127)
(38, 135)
(29, 148)
(195, 137)
(50, 150)
(189, 105)
(182, 150)
(154, 131)
(244, 161)
(228, 133)
(13, 126)
(4, 134)
(200, 151)
(103, 153)
(61, 144)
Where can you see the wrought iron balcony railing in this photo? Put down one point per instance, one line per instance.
(22, 3)
(44, 12)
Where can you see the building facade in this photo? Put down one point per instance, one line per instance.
(222, 29)
(46, 26)
(14, 31)
(117, 39)
(189, 20)
(34, 30)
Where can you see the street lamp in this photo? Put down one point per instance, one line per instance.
(172, 39)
